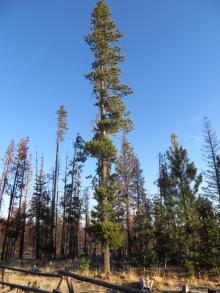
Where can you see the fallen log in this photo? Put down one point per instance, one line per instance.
(213, 290)
(23, 288)
(35, 273)
(101, 283)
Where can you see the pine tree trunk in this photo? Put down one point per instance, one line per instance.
(105, 216)
(53, 207)
(85, 239)
(37, 243)
(62, 252)
(129, 236)
(19, 216)
(2, 191)
(21, 251)
(106, 259)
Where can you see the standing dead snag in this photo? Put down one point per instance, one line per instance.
(6, 169)
(16, 192)
(211, 150)
(61, 131)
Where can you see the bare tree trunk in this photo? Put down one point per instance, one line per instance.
(9, 211)
(21, 251)
(53, 206)
(86, 238)
(7, 164)
(63, 239)
(56, 215)
(129, 227)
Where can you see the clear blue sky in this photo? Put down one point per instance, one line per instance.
(172, 51)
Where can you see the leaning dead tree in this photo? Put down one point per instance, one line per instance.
(6, 169)
(211, 154)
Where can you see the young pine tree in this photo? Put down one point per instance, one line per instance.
(111, 117)
(125, 169)
(24, 213)
(165, 226)
(209, 236)
(184, 185)
(144, 240)
(40, 211)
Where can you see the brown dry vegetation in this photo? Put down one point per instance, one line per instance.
(129, 277)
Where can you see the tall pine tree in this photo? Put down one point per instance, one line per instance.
(111, 117)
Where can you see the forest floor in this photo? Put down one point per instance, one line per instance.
(129, 277)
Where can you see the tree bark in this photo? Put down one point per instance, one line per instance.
(53, 207)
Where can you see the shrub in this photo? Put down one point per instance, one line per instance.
(189, 267)
(84, 264)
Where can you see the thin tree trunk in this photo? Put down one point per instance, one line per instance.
(56, 215)
(85, 239)
(53, 207)
(73, 189)
(9, 212)
(21, 251)
(63, 251)
(2, 191)
(129, 227)
(6, 169)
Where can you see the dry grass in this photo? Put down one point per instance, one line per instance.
(23, 279)
(161, 280)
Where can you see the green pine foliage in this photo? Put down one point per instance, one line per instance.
(40, 212)
(144, 237)
(179, 186)
(111, 118)
(209, 235)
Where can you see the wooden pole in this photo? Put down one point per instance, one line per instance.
(100, 282)
(70, 285)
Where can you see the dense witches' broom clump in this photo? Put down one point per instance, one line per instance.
(108, 91)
